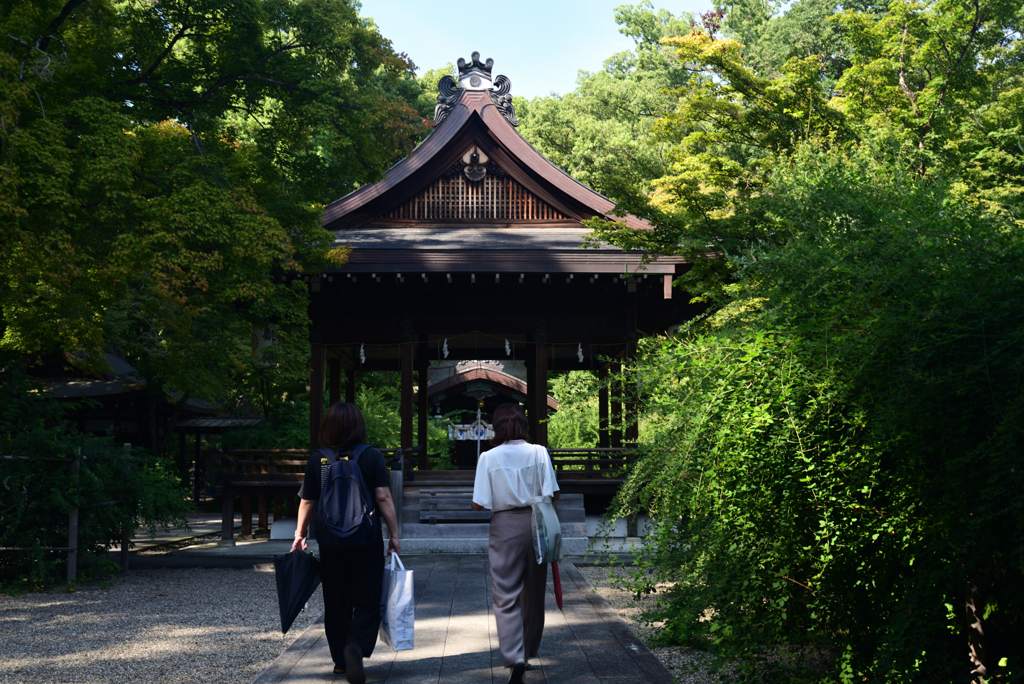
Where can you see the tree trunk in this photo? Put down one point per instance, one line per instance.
(976, 635)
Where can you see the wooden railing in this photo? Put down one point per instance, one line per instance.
(593, 462)
(272, 476)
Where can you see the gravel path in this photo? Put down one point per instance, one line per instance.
(216, 625)
(685, 664)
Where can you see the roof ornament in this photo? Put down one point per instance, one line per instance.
(474, 75)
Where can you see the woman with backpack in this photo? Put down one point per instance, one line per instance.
(509, 479)
(351, 549)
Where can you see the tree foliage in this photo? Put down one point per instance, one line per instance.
(603, 133)
(833, 453)
(836, 461)
(575, 424)
(164, 166)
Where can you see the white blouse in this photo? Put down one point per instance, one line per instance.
(513, 475)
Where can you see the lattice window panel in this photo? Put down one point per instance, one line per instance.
(495, 198)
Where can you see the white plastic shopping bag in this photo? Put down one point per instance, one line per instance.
(397, 607)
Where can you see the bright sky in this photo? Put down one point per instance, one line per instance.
(540, 45)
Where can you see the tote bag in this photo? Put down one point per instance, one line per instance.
(547, 530)
(397, 607)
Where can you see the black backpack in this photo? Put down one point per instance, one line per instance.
(344, 516)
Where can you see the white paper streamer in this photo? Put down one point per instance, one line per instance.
(579, 352)
(362, 353)
(508, 349)
(445, 348)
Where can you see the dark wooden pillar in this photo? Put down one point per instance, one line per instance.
(616, 400)
(350, 385)
(263, 522)
(602, 409)
(422, 418)
(405, 409)
(531, 389)
(537, 388)
(246, 516)
(632, 426)
(182, 459)
(316, 393)
(198, 471)
(334, 380)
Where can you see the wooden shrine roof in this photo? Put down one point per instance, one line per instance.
(490, 376)
(476, 195)
(550, 250)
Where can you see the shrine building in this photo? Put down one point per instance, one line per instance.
(471, 248)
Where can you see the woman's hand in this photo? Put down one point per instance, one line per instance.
(299, 544)
(395, 546)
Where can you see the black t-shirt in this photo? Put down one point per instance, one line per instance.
(371, 465)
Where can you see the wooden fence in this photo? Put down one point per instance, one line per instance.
(75, 466)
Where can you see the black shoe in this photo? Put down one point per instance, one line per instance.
(339, 669)
(516, 677)
(354, 664)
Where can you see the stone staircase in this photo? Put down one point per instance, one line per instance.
(437, 516)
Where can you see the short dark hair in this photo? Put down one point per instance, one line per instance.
(342, 425)
(509, 423)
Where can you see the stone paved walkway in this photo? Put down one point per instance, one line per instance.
(456, 640)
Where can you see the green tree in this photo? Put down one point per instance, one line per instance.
(164, 167)
(575, 423)
(426, 97)
(836, 461)
(603, 132)
(927, 69)
(807, 443)
(115, 488)
(956, 114)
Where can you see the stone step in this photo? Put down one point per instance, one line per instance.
(571, 546)
(448, 503)
(460, 517)
(469, 530)
(463, 531)
(414, 498)
(454, 517)
(415, 515)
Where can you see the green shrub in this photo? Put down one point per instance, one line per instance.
(837, 461)
(115, 487)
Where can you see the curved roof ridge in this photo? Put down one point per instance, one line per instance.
(487, 373)
(420, 155)
(505, 135)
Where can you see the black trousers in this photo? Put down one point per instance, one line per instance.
(352, 580)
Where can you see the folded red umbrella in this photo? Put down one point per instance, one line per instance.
(558, 584)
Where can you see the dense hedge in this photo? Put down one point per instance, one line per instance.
(837, 458)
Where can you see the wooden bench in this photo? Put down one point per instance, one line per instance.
(263, 473)
(260, 473)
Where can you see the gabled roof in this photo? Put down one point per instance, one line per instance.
(474, 120)
(499, 381)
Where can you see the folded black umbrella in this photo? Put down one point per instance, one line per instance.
(298, 576)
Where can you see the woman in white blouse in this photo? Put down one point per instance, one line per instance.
(509, 479)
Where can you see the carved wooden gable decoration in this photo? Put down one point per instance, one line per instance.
(477, 190)
(474, 168)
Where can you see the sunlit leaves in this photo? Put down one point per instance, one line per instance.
(163, 168)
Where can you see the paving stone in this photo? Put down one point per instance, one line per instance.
(457, 641)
